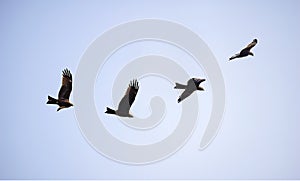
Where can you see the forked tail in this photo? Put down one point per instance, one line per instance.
(52, 100)
(110, 111)
(200, 88)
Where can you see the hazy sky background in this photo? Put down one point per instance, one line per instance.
(259, 137)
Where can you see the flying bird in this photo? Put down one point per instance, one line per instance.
(192, 85)
(64, 92)
(246, 51)
(126, 101)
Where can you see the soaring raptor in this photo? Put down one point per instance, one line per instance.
(64, 92)
(126, 101)
(192, 85)
(246, 51)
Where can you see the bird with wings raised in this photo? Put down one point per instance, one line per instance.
(126, 101)
(192, 85)
(64, 92)
(246, 51)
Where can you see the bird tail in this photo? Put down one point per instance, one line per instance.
(179, 86)
(52, 100)
(233, 57)
(110, 111)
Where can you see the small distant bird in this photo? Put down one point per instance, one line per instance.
(246, 51)
(192, 85)
(126, 101)
(64, 92)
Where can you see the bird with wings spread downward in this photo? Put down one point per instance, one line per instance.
(246, 51)
(126, 101)
(64, 92)
(192, 85)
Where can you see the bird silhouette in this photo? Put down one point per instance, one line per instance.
(192, 85)
(64, 92)
(246, 51)
(126, 101)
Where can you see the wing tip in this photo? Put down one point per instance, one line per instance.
(134, 84)
(179, 100)
(67, 73)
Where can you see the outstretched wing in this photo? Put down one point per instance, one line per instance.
(133, 89)
(129, 97)
(186, 93)
(248, 47)
(66, 87)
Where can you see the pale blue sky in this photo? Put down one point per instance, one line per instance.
(259, 137)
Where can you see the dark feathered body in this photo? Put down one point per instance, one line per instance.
(192, 85)
(126, 101)
(64, 92)
(246, 51)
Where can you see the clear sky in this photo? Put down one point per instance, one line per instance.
(259, 137)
